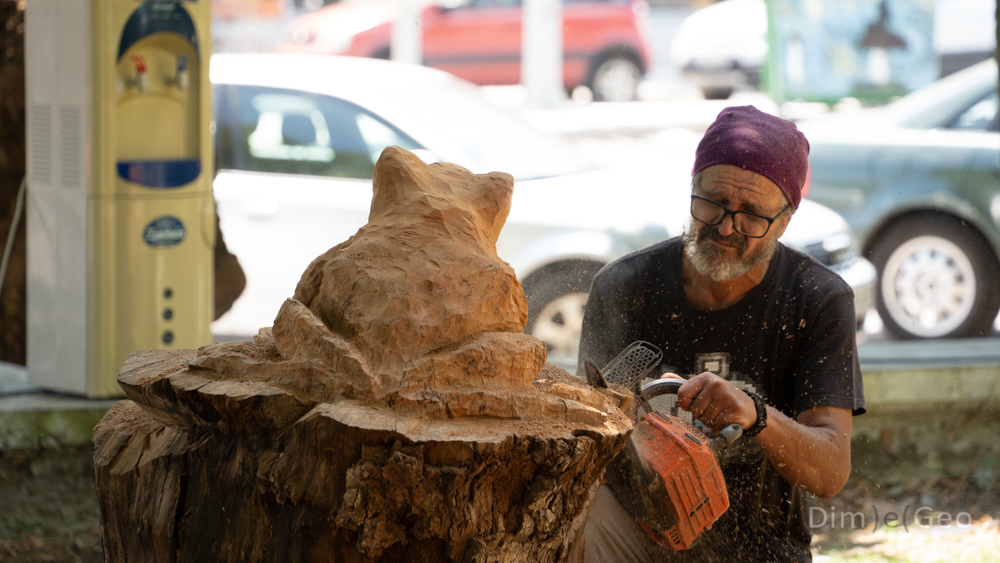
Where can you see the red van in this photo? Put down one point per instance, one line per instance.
(605, 46)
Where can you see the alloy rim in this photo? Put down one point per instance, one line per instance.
(929, 286)
(559, 326)
(616, 80)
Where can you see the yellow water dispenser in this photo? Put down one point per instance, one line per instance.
(120, 224)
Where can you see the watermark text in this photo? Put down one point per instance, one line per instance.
(921, 517)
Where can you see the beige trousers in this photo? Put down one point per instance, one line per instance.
(612, 535)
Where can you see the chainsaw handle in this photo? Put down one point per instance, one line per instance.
(726, 436)
(661, 387)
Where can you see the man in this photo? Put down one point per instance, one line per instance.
(765, 334)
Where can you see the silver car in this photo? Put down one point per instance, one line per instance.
(297, 139)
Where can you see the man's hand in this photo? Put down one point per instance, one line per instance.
(716, 402)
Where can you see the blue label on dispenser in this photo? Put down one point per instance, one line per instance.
(164, 232)
(165, 174)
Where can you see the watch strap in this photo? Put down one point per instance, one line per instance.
(761, 423)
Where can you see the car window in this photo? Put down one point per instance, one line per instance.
(292, 132)
(938, 104)
(981, 116)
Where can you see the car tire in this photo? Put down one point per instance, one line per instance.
(614, 77)
(556, 298)
(933, 280)
(722, 93)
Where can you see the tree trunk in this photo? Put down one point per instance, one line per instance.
(338, 482)
(13, 284)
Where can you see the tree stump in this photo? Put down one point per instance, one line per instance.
(396, 411)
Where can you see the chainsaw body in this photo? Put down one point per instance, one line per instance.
(668, 475)
(682, 473)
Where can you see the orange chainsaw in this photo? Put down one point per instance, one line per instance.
(668, 474)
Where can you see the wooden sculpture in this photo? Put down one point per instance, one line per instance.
(396, 411)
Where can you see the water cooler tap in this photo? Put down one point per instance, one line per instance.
(180, 77)
(141, 79)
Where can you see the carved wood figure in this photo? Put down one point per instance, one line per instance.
(396, 411)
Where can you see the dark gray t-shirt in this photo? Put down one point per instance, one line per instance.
(791, 339)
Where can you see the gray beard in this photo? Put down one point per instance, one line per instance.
(713, 262)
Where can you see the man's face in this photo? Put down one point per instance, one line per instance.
(719, 251)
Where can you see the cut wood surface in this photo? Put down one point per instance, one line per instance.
(396, 411)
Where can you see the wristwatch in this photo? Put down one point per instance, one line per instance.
(761, 423)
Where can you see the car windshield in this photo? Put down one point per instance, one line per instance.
(488, 138)
(940, 103)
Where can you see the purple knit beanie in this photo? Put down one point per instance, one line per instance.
(746, 137)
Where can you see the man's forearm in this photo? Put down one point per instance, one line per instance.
(812, 452)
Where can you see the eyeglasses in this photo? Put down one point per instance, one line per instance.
(746, 223)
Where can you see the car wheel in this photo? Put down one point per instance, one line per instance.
(933, 281)
(614, 78)
(556, 298)
(716, 93)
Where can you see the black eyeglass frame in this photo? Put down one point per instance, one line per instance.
(727, 211)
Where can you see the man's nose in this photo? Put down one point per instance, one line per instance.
(727, 226)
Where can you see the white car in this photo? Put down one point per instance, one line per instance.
(297, 138)
(722, 47)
